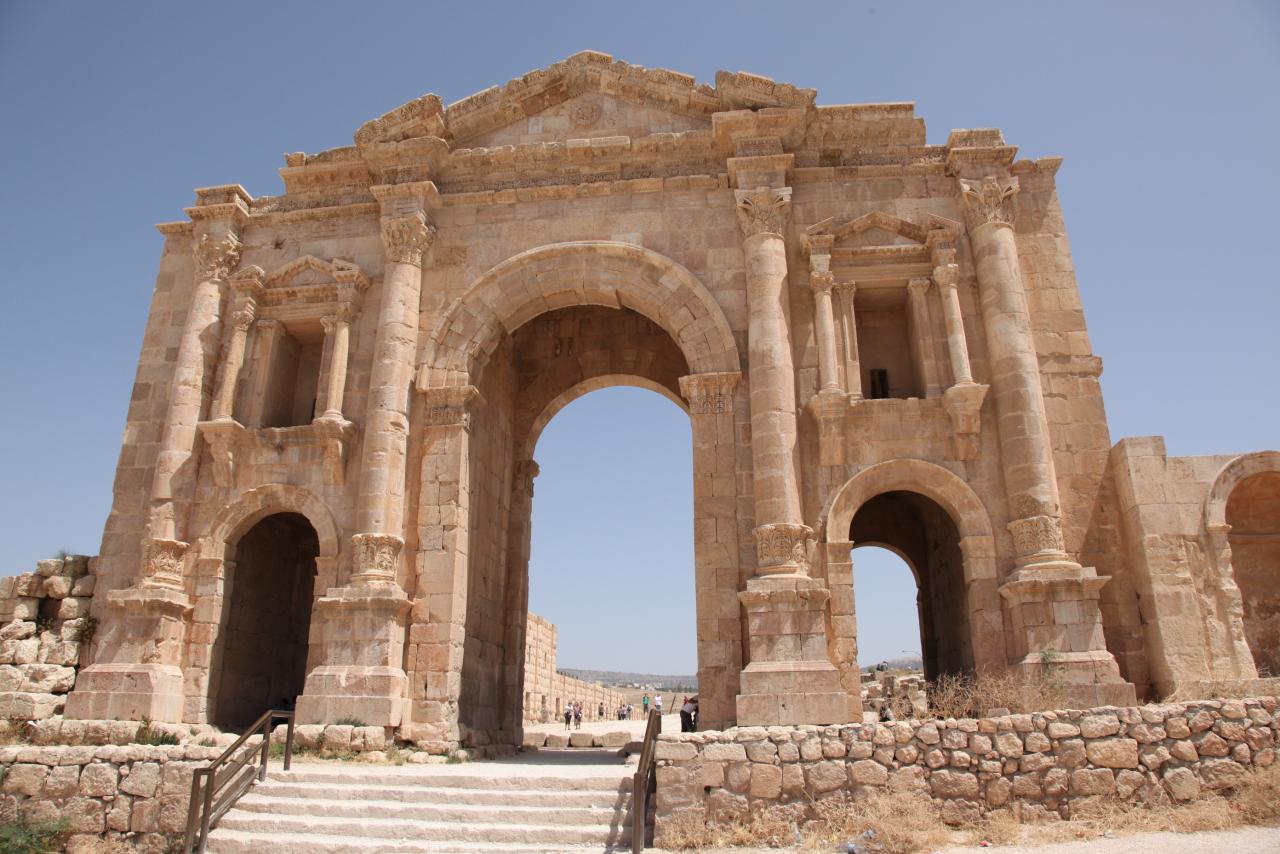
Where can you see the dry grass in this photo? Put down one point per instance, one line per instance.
(905, 823)
(974, 696)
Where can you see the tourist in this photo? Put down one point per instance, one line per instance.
(686, 716)
(657, 704)
(568, 713)
(600, 716)
(644, 705)
(577, 715)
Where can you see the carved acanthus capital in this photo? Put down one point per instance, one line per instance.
(782, 548)
(376, 558)
(244, 313)
(822, 283)
(217, 254)
(407, 238)
(1036, 535)
(988, 201)
(764, 210)
(451, 406)
(709, 393)
(162, 562)
(847, 289)
(918, 286)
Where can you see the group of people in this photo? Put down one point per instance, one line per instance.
(573, 714)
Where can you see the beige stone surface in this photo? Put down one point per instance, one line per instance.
(877, 340)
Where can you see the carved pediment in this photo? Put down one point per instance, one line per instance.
(591, 115)
(306, 285)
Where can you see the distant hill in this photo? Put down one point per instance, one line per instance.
(621, 678)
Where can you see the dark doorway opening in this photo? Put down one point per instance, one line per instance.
(262, 658)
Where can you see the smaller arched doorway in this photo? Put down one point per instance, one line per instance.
(1253, 512)
(918, 530)
(260, 658)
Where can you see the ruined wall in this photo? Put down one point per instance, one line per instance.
(45, 628)
(1035, 766)
(546, 690)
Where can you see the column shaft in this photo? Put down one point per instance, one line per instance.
(337, 367)
(846, 293)
(233, 361)
(961, 372)
(922, 335)
(824, 324)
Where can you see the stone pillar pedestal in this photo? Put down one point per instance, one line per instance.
(790, 679)
(138, 671)
(360, 631)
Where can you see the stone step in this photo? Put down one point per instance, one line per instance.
(605, 815)
(356, 776)
(453, 832)
(551, 798)
(249, 842)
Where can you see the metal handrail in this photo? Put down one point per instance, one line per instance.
(643, 779)
(212, 781)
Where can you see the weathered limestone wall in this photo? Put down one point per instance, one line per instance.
(44, 631)
(546, 690)
(133, 789)
(1034, 765)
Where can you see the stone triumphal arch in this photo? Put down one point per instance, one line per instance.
(329, 449)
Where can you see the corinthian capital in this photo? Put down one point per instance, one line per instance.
(764, 210)
(822, 282)
(988, 200)
(217, 254)
(407, 238)
(709, 393)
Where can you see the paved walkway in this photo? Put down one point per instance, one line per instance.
(634, 727)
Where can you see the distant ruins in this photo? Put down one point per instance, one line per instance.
(546, 690)
(327, 473)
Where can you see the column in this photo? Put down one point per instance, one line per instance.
(338, 329)
(790, 679)
(1052, 600)
(243, 312)
(824, 324)
(947, 277)
(922, 335)
(846, 293)
(406, 237)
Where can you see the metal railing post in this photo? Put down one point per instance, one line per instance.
(208, 810)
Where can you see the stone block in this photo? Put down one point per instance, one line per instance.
(98, 780)
(581, 739)
(1113, 752)
(867, 772)
(766, 781)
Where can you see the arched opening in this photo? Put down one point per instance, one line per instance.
(261, 655)
(887, 594)
(918, 530)
(1253, 512)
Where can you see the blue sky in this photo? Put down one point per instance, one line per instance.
(112, 112)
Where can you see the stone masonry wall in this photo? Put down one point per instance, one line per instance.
(546, 690)
(134, 790)
(44, 628)
(1032, 764)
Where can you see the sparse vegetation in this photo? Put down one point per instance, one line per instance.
(86, 628)
(349, 721)
(25, 836)
(975, 695)
(904, 822)
(147, 734)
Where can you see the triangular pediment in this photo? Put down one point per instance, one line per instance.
(591, 115)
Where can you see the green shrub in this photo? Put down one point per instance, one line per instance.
(349, 721)
(23, 836)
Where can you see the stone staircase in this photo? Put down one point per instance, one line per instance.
(331, 808)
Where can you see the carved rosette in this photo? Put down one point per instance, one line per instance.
(1036, 535)
(782, 548)
(217, 254)
(451, 406)
(376, 558)
(988, 201)
(162, 563)
(709, 393)
(407, 238)
(764, 210)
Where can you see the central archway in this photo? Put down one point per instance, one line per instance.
(526, 339)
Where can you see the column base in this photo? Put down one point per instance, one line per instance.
(127, 692)
(363, 628)
(784, 693)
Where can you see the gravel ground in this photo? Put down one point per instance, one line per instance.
(1249, 840)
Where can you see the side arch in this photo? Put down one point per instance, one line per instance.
(973, 525)
(559, 275)
(907, 475)
(255, 505)
(1229, 477)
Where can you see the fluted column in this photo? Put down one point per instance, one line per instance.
(406, 237)
(1052, 601)
(846, 293)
